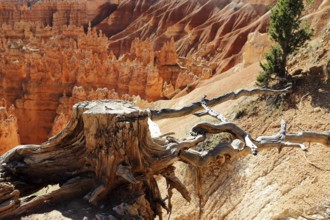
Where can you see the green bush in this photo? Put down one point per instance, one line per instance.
(286, 31)
(270, 66)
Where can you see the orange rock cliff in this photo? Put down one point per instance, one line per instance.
(9, 137)
(57, 53)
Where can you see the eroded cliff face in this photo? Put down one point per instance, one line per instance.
(56, 13)
(212, 30)
(9, 137)
(40, 68)
(126, 49)
(51, 13)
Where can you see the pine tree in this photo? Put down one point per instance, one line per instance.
(286, 31)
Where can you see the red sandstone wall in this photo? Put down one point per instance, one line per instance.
(48, 62)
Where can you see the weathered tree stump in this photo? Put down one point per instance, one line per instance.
(108, 147)
(105, 145)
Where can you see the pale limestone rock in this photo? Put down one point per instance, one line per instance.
(168, 89)
(255, 48)
(185, 79)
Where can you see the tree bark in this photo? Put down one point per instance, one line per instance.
(106, 144)
(196, 106)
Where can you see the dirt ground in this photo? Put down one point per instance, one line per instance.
(289, 185)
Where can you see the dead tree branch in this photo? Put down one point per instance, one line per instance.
(197, 106)
(242, 139)
(209, 111)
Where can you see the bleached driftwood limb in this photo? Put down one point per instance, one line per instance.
(309, 136)
(278, 139)
(228, 127)
(197, 106)
(226, 150)
(238, 132)
(275, 138)
(209, 111)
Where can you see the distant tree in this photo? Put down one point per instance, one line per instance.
(286, 31)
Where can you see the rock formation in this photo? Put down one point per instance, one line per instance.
(36, 72)
(214, 30)
(9, 137)
(43, 71)
(56, 13)
(51, 13)
(255, 48)
(167, 55)
(156, 49)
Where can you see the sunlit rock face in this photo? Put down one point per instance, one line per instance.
(9, 137)
(132, 50)
(213, 30)
(255, 47)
